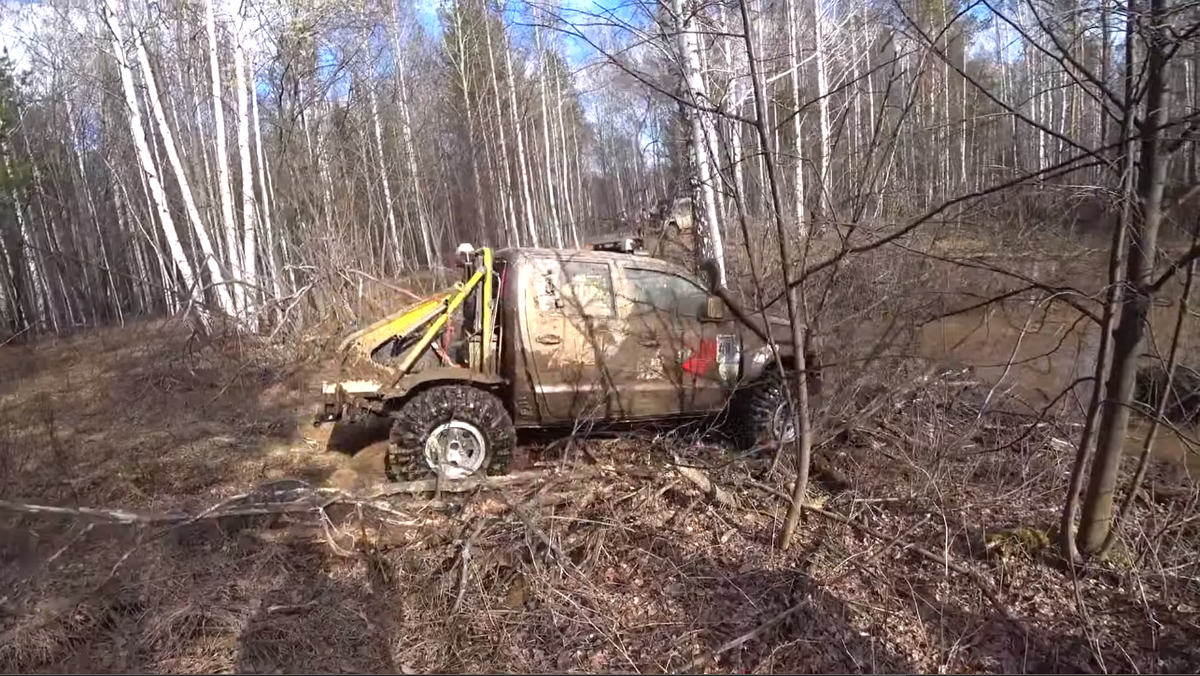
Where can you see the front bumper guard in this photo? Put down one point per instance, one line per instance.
(341, 398)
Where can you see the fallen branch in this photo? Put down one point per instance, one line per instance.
(312, 500)
(878, 552)
(467, 485)
(753, 633)
(119, 516)
(705, 484)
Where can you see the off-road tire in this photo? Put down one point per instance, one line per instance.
(420, 416)
(752, 409)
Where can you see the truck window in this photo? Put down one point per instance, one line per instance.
(664, 292)
(586, 289)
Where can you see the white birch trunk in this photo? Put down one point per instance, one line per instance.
(460, 59)
(389, 208)
(170, 294)
(793, 64)
(209, 181)
(142, 271)
(526, 198)
(37, 287)
(91, 206)
(8, 294)
(272, 265)
(250, 294)
(149, 170)
(553, 208)
(710, 126)
(232, 250)
(508, 201)
(217, 278)
(564, 172)
(821, 29)
(856, 60)
(733, 57)
(410, 154)
(701, 131)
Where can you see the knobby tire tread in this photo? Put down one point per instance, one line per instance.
(413, 422)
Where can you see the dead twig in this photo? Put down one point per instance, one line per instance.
(464, 561)
(984, 586)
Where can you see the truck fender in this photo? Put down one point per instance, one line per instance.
(758, 361)
(439, 375)
(755, 362)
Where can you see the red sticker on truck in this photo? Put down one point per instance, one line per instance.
(703, 359)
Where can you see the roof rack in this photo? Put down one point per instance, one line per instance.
(627, 245)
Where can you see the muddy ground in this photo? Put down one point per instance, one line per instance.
(929, 552)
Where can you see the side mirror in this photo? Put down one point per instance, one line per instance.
(714, 310)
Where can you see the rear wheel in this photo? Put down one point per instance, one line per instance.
(462, 429)
(760, 414)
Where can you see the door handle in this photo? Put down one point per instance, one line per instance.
(549, 339)
(648, 342)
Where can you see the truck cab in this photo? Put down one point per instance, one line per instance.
(615, 337)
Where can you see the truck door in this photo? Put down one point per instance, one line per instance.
(570, 333)
(670, 361)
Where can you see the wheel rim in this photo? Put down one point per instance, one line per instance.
(783, 424)
(460, 446)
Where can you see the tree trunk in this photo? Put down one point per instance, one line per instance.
(1129, 338)
(798, 149)
(701, 132)
(820, 26)
(410, 154)
(565, 166)
(507, 201)
(555, 224)
(149, 170)
(794, 305)
(232, 250)
(38, 310)
(270, 257)
(249, 282)
(214, 270)
(526, 198)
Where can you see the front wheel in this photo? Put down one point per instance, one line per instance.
(761, 415)
(461, 429)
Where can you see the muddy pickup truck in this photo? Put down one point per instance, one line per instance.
(569, 340)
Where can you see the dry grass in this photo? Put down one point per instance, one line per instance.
(631, 568)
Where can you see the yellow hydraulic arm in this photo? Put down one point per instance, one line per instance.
(462, 292)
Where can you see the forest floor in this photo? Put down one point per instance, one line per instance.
(234, 536)
(930, 554)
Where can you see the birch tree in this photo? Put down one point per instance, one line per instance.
(220, 289)
(112, 9)
(701, 129)
(228, 225)
(249, 238)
